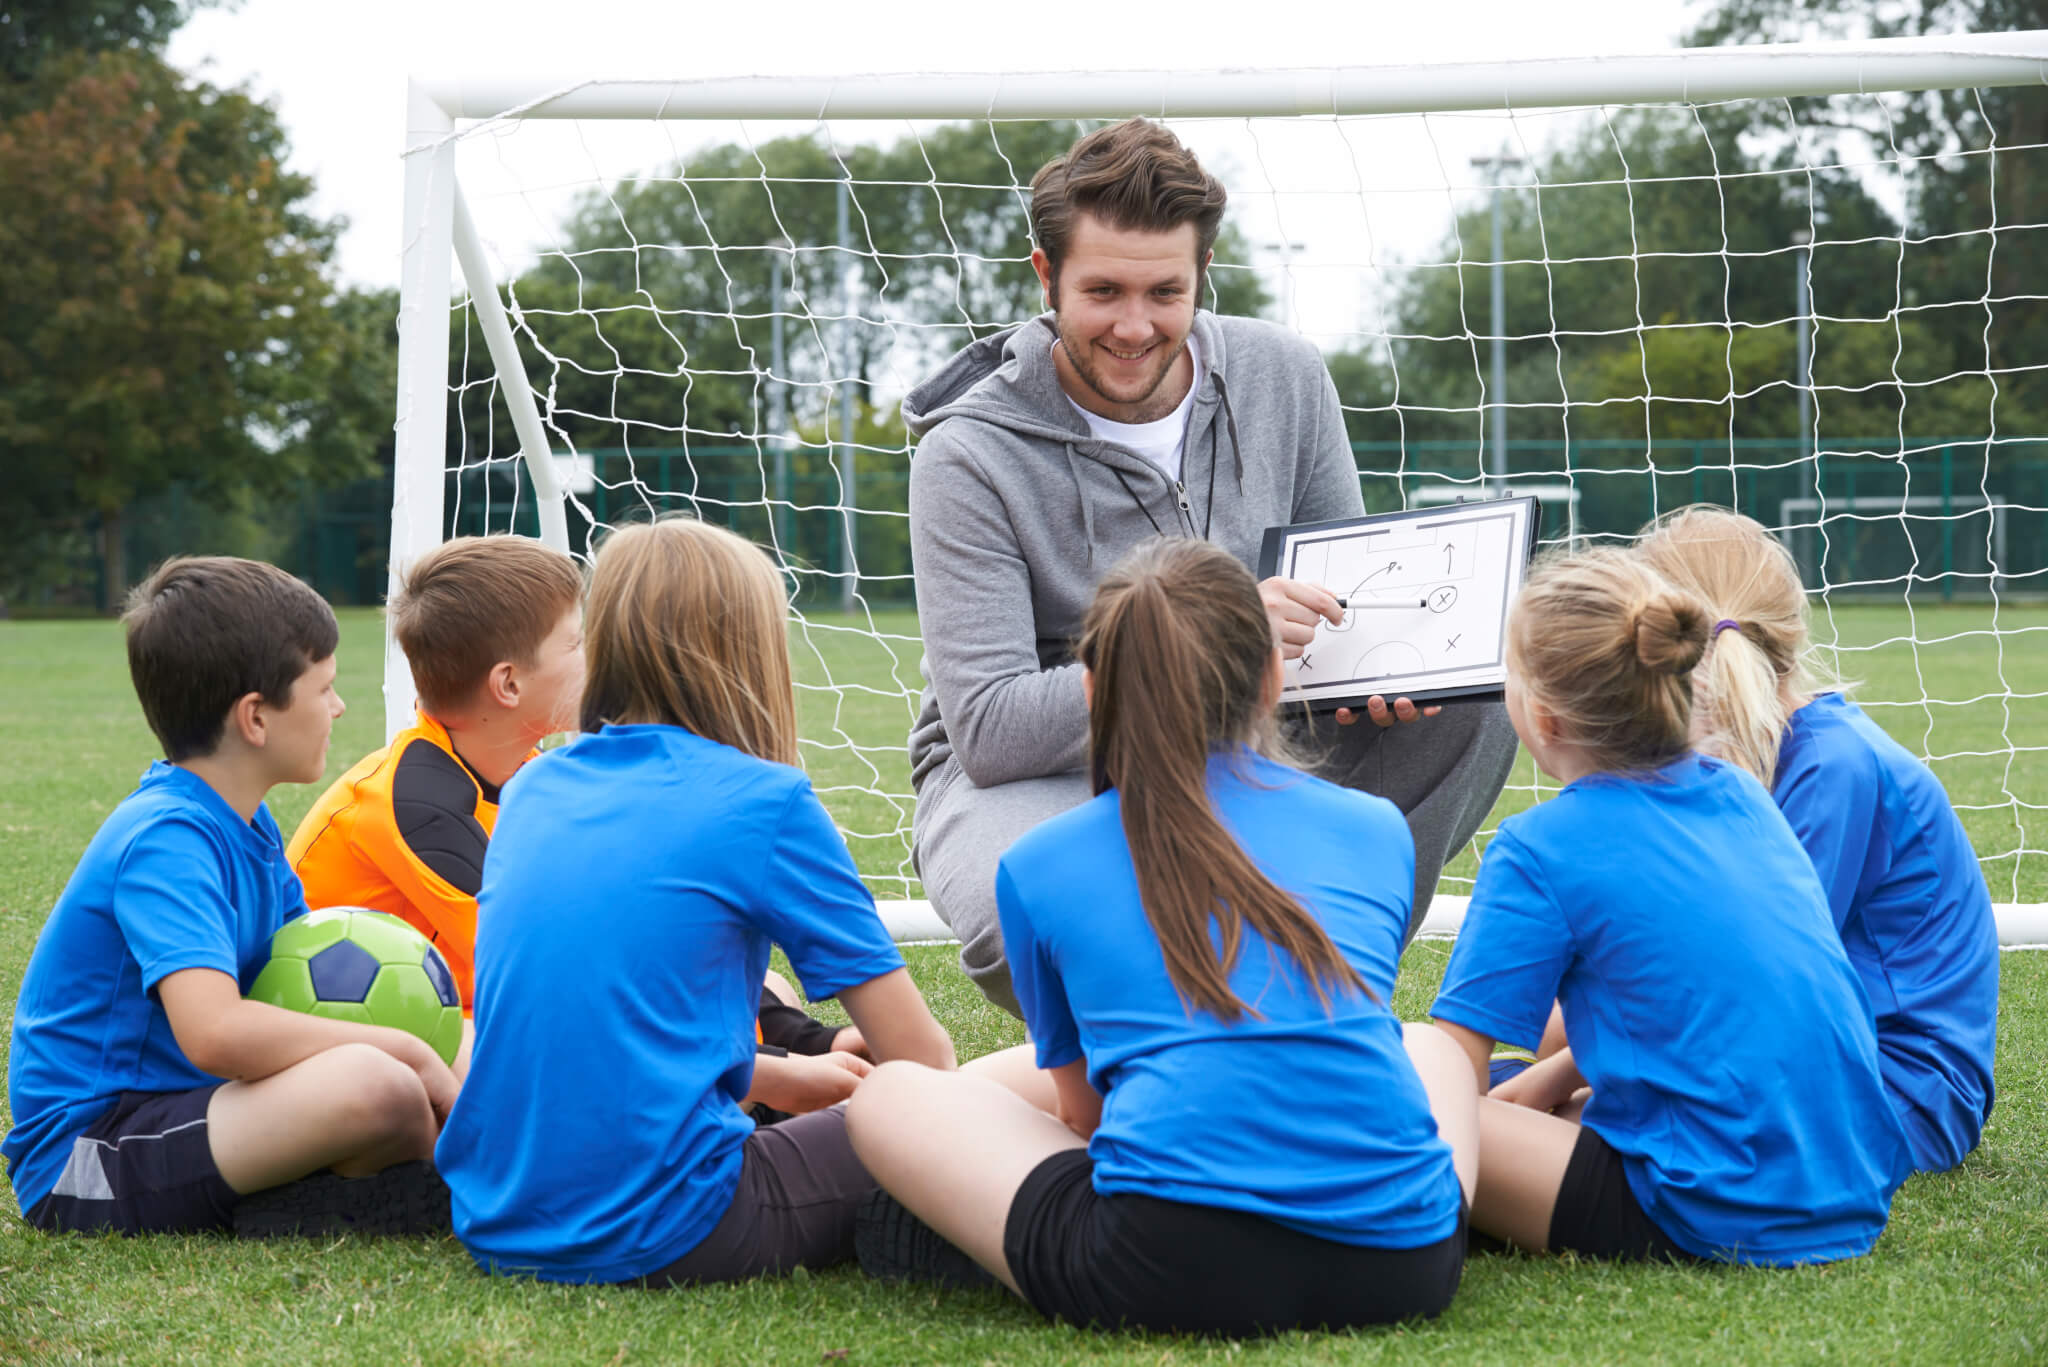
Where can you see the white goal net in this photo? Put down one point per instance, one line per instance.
(1803, 282)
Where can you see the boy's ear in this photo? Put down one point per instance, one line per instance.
(246, 721)
(501, 685)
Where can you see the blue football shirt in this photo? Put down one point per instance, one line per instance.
(1708, 1000)
(1311, 1118)
(173, 879)
(631, 890)
(1909, 900)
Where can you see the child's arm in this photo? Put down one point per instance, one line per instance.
(895, 1022)
(1478, 1049)
(801, 1083)
(244, 1041)
(1542, 1086)
(1080, 1105)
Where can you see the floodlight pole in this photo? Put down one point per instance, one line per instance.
(778, 404)
(1802, 313)
(846, 456)
(1497, 396)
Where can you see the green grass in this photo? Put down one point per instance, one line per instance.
(1957, 1278)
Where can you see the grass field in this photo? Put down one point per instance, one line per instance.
(1959, 1276)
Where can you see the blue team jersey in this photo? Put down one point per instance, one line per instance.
(1708, 1001)
(1310, 1117)
(630, 893)
(1909, 900)
(174, 879)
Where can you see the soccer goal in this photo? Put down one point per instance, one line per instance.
(1798, 280)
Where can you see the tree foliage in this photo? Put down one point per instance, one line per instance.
(33, 32)
(166, 315)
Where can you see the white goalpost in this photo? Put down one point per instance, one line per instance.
(625, 297)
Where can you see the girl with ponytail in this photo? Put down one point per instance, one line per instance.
(1902, 882)
(1735, 1112)
(1234, 1135)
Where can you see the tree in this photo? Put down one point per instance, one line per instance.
(166, 313)
(32, 32)
(651, 326)
(1973, 289)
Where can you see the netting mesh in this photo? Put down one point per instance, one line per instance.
(1821, 312)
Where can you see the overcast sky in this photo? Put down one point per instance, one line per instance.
(337, 75)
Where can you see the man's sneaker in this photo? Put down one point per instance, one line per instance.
(893, 1245)
(1506, 1064)
(405, 1198)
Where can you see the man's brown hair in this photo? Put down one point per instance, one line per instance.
(1134, 176)
(206, 631)
(472, 602)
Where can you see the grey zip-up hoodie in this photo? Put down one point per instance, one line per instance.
(1016, 510)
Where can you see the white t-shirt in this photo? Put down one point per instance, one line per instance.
(1159, 442)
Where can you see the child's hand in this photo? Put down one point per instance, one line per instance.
(1542, 1086)
(850, 1041)
(798, 1084)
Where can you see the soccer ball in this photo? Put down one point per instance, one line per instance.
(348, 964)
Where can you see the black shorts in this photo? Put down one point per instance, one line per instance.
(1597, 1216)
(145, 1167)
(800, 1184)
(1136, 1262)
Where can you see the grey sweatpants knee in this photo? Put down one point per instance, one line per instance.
(958, 834)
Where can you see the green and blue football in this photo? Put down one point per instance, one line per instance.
(349, 964)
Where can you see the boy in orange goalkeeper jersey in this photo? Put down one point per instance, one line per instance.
(493, 629)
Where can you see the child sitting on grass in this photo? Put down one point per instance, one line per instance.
(1236, 1136)
(1902, 882)
(147, 1095)
(1736, 1111)
(636, 881)
(493, 629)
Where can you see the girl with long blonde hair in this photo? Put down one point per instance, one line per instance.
(633, 886)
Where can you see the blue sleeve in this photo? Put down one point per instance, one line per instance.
(171, 903)
(814, 905)
(1036, 981)
(1512, 951)
(1834, 814)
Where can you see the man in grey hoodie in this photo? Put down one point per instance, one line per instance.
(1047, 451)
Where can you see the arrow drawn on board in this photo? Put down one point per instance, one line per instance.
(1449, 551)
(1387, 568)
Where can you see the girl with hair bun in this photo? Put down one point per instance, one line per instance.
(1904, 887)
(1736, 1113)
(1236, 1135)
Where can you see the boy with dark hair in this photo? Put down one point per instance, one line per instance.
(493, 629)
(147, 1094)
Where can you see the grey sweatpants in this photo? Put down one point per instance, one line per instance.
(1443, 772)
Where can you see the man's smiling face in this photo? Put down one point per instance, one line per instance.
(1124, 303)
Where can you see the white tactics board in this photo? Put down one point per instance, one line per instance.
(1427, 594)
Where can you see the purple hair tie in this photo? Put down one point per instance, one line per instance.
(1727, 624)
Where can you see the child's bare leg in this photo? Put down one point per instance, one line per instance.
(1522, 1159)
(1447, 1080)
(1553, 1033)
(461, 1065)
(1017, 1069)
(780, 986)
(353, 1108)
(954, 1148)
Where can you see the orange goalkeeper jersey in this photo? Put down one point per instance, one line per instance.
(404, 831)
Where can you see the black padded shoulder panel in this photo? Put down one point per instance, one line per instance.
(433, 800)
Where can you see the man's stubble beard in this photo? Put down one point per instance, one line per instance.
(1082, 358)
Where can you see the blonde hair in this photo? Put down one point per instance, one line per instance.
(1746, 576)
(1607, 646)
(686, 627)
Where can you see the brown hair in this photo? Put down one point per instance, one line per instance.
(1750, 672)
(686, 626)
(1178, 644)
(1608, 646)
(469, 603)
(1133, 175)
(205, 631)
